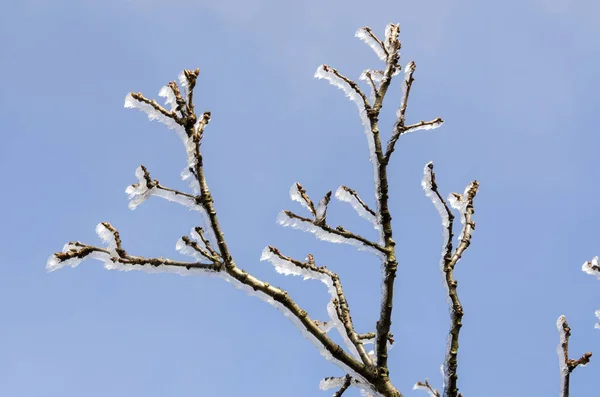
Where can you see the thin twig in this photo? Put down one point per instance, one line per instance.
(567, 365)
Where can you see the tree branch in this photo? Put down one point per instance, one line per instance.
(567, 365)
(464, 203)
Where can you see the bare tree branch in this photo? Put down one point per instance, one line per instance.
(464, 203)
(567, 365)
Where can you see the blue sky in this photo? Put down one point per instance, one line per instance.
(516, 82)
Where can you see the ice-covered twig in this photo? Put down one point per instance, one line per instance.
(422, 125)
(566, 364)
(448, 262)
(298, 193)
(427, 387)
(350, 196)
(326, 233)
(115, 257)
(350, 88)
(340, 317)
(406, 84)
(146, 187)
(366, 34)
(191, 246)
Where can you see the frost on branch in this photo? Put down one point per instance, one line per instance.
(566, 364)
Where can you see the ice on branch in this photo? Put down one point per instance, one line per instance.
(345, 194)
(424, 125)
(563, 330)
(460, 202)
(298, 193)
(285, 219)
(153, 113)
(325, 72)
(427, 183)
(425, 386)
(375, 75)
(183, 81)
(366, 34)
(592, 267)
(167, 93)
(146, 187)
(391, 36)
(321, 211)
(286, 266)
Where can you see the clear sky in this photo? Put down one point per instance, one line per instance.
(516, 81)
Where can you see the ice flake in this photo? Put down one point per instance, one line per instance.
(108, 237)
(592, 267)
(597, 313)
(170, 100)
(364, 35)
(183, 82)
(322, 207)
(284, 220)
(331, 382)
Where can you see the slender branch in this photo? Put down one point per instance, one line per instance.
(390, 266)
(400, 130)
(350, 83)
(338, 231)
(567, 365)
(408, 80)
(341, 303)
(464, 203)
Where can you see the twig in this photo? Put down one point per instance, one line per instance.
(449, 259)
(345, 386)
(567, 365)
(343, 309)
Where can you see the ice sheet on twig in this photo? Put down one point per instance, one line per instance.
(364, 35)
(284, 220)
(153, 114)
(295, 195)
(342, 194)
(564, 368)
(170, 100)
(139, 192)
